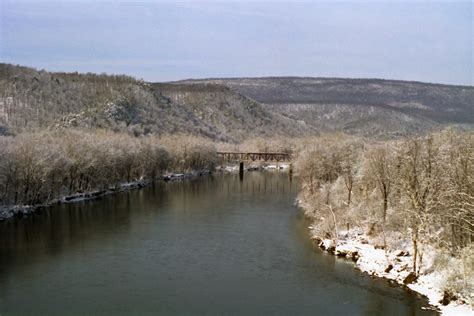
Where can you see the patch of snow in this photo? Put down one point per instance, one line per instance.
(271, 167)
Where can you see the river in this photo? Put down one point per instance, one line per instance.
(212, 245)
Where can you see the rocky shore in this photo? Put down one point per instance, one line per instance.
(9, 211)
(395, 265)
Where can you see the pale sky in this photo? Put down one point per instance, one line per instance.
(428, 41)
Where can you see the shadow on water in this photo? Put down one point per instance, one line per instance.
(224, 243)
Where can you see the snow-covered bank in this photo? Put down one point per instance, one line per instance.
(99, 193)
(395, 265)
(9, 211)
(180, 176)
(254, 167)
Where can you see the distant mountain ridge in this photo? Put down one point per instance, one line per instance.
(359, 106)
(228, 109)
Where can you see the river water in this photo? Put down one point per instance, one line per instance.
(213, 245)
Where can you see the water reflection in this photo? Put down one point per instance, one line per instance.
(207, 246)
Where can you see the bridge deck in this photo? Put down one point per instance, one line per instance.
(255, 156)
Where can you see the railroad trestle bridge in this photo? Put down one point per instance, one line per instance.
(251, 157)
(255, 156)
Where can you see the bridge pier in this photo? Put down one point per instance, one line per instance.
(241, 170)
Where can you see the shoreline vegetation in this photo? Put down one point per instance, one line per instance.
(40, 169)
(63, 166)
(401, 209)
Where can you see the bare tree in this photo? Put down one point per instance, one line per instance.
(380, 168)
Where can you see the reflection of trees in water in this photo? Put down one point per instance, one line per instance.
(64, 227)
(61, 228)
(250, 224)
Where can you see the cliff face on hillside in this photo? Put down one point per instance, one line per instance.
(228, 109)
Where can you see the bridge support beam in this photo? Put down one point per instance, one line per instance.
(241, 170)
(253, 156)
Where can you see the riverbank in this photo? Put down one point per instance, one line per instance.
(9, 211)
(405, 207)
(395, 265)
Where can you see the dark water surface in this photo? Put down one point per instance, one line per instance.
(212, 245)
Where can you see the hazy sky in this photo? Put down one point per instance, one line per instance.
(162, 40)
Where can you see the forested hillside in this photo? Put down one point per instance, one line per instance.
(31, 99)
(229, 110)
(369, 107)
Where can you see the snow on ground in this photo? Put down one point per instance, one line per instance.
(456, 310)
(394, 265)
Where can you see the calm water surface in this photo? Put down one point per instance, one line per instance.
(214, 245)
